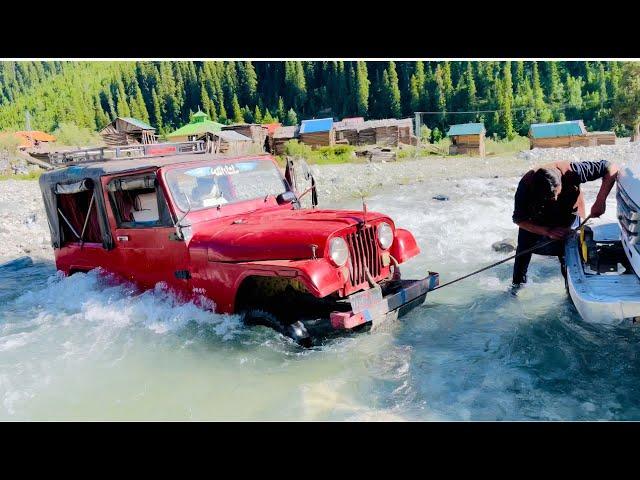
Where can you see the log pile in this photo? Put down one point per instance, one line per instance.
(281, 136)
(389, 132)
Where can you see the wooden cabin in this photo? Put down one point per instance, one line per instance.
(199, 126)
(128, 131)
(230, 142)
(256, 132)
(571, 133)
(281, 136)
(467, 139)
(318, 132)
(603, 138)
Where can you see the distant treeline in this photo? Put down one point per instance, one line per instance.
(164, 94)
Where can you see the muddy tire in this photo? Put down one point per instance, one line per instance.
(296, 331)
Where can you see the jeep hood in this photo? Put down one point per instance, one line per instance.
(275, 235)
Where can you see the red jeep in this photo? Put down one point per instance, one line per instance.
(231, 230)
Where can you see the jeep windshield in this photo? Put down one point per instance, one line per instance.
(218, 184)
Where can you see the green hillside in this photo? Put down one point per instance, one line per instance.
(164, 94)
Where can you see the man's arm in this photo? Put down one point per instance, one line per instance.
(557, 233)
(608, 181)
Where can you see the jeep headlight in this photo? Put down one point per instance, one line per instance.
(385, 235)
(338, 251)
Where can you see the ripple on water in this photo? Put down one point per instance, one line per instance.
(88, 347)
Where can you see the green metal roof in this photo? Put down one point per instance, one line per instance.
(199, 124)
(137, 123)
(558, 129)
(466, 129)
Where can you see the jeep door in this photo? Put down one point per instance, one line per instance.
(144, 234)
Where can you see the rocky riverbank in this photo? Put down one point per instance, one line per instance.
(24, 230)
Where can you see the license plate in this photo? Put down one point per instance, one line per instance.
(362, 300)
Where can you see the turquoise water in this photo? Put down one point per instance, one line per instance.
(88, 347)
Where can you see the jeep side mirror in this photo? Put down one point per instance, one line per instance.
(286, 197)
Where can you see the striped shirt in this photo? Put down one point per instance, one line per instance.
(589, 171)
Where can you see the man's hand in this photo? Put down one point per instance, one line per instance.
(559, 233)
(598, 209)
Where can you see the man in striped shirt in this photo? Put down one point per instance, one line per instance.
(547, 202)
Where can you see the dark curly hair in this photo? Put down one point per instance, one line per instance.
(545, 182)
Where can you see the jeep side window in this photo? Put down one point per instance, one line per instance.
(137, 202)
(77, 212)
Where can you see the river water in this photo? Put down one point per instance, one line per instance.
(88, 347)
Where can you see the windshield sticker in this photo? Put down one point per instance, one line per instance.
(219, 171)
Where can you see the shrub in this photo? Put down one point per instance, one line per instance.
(8, 144)
(71, 134)
(332, 154)
(499, 147)
(425, 134)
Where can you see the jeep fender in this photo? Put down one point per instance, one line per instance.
(404, 245)
(319, 276)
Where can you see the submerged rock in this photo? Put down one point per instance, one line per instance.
(440, 197)
(505, 245)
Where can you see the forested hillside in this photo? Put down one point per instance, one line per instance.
(164, 94)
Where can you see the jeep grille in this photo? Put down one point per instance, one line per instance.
(364, 252)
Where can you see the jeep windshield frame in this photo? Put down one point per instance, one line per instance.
(215, 183)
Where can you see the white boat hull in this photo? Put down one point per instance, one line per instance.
(608, 299)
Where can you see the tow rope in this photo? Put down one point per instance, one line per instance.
(529, 250)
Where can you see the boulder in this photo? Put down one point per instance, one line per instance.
(505, 245)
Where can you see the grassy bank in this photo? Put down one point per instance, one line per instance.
(33, 175)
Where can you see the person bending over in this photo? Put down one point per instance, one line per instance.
(548, 201)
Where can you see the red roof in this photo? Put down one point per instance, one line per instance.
(29, 137)
(272, 127)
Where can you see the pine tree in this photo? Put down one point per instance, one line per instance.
(292, 118)
(237, 112)
(267, 118)
(257, 115)
(157, 111)
(507, 103)
(421, 86)
(391, 91)
(122, 106)
(281, 112)
(362, 86)
(414, 93)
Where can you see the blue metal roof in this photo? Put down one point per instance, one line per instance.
(466, 129)
(316, 125)
(558, 129)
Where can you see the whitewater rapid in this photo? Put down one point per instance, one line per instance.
(89, 347)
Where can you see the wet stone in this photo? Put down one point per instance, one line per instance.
(504, 246)
(440, 197)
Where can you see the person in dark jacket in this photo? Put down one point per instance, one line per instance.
(548, 201)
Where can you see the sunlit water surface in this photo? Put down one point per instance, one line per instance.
(88, 347)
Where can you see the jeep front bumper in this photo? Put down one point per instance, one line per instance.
(409, 295)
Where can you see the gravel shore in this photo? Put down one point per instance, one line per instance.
(24, 230)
